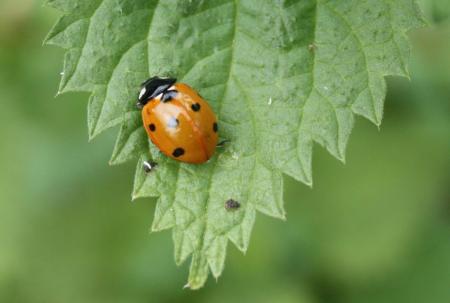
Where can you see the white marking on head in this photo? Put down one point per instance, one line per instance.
(142, 92)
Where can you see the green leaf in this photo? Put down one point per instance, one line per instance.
(280, 75)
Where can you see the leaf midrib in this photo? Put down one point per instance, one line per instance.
(219, 111)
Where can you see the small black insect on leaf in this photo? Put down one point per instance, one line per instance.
(232, 204)
(149, 166)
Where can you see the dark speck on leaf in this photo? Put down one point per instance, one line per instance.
(232, 204)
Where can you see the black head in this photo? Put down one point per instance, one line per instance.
(152, 88)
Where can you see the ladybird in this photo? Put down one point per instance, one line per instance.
(178, 120)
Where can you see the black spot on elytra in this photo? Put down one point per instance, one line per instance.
(195, 107)
(215, 127)
(177, 152)
(232, 204)
(152, 127)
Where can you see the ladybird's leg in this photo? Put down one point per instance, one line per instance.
(222, 143)
(169, 95)
(149, 166)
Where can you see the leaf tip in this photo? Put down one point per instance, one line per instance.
(93, 133)
(114, 159)
(193, 285)
(378, 123)
(341, 157)
(91, 137)
(46, 40)
(154, 230)
(134, 197)
(308, 182)
(217, 274)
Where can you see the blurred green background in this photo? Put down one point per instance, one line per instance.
(374, 230)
